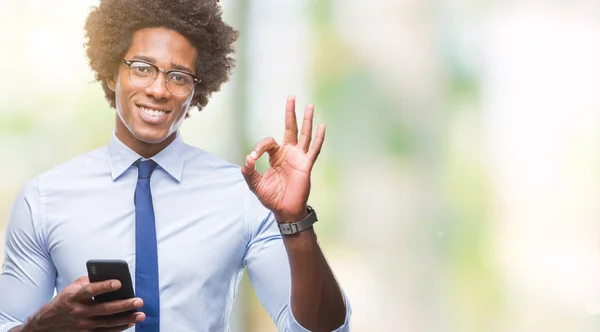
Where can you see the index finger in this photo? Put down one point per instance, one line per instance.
(96, 288)
(291, 126)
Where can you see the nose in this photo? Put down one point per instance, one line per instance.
(158, 88)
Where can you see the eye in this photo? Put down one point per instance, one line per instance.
(180, 78)
(142, 69)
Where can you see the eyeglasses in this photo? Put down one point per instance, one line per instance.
(143, 74)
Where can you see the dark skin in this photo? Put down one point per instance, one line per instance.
(316, 301)
(144, 134)
(74, 310)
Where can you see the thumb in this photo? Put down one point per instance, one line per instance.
(251, 175)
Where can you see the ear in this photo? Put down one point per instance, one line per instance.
(111, 83)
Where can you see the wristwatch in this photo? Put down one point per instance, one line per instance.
(299, 226)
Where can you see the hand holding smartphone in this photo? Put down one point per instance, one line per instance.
(106, 269)
(60, 313)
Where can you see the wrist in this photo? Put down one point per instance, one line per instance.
(296, 225)
(290, 218)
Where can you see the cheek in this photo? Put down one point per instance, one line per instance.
(119, 89)
(185, 106)
(123, 91)
(182, 113)
(121, 103)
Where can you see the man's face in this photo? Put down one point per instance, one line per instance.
(152, 114)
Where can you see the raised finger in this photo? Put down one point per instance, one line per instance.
(306, 131)
(90, 290)
(115, 307)
(291, 127)
(268, 145)
(315, 148)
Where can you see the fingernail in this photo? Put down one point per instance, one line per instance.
(137, 303)
(114, 285)
(253, 154)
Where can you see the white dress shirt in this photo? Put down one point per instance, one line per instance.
(209, 227)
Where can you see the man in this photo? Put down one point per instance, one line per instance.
(185, 221)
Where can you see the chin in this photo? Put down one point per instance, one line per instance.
(150, 136)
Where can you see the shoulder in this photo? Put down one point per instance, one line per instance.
(209, 166)
(73, 172)
(77, 165)
(209, 171)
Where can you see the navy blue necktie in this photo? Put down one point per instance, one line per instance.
(146, 256)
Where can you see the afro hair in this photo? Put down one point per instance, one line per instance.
(110, 27)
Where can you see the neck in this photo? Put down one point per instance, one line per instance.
(144, 149)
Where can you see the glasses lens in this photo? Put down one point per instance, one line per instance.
(142, 74)
(180, 83)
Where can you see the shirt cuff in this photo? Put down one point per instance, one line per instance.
(294, 326)
(6, 327)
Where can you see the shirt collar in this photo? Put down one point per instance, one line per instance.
(121, 157)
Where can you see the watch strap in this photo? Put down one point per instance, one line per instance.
(299, 226)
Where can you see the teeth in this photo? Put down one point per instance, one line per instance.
(152, 112)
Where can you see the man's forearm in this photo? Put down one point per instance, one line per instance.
(317, 302)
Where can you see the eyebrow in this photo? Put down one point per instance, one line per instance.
(152, 60)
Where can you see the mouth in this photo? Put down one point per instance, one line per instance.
(153, 114)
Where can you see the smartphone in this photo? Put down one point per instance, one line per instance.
(106, 269)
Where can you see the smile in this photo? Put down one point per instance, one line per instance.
(153, 112)
(153, 115)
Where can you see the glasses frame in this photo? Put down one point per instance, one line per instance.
(196, 80)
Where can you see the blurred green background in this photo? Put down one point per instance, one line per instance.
(458, 187)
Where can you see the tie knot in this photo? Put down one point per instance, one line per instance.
(145, 168)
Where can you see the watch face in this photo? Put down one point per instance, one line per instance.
(288, 229)
(297, 227)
